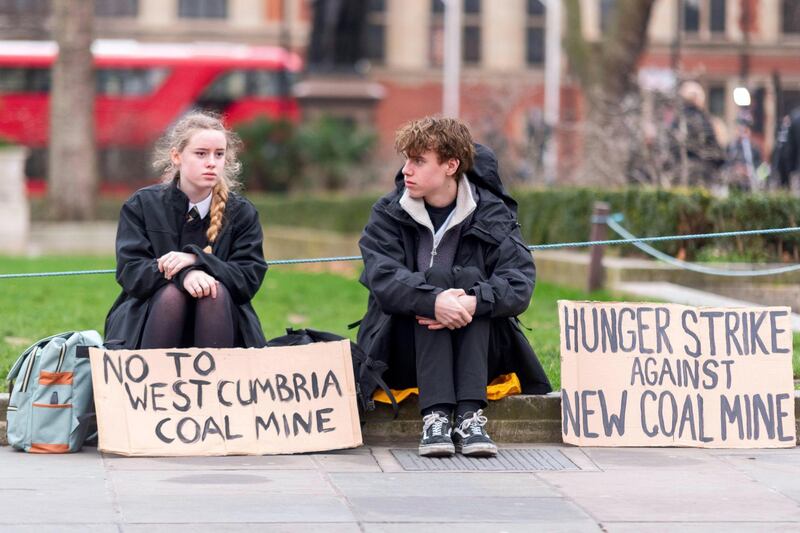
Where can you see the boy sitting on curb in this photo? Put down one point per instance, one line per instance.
(448, 272)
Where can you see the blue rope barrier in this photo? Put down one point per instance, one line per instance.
(631, 239)
(614, 225)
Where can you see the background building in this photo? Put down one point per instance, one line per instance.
(721, 43)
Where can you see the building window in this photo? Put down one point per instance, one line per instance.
(691, 16)
(791, 16)
(472, 7)
(535, 7)
(717, 16)
(375, 45)
(216, 9)
(24, 7)
(606, 13)
(704, 16)
(534, 33)
(116, 8)
(470, 36)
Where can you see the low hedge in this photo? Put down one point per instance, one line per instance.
(563, 215)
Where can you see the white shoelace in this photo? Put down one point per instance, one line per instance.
(434, 419)
(474, 423)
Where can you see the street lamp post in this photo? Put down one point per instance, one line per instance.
(552, 85)
(452, 58)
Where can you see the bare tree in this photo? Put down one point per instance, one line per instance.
(72, 161)
(606, 72)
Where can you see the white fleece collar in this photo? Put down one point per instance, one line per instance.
(465, 205)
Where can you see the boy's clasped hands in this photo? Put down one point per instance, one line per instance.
(453, 309)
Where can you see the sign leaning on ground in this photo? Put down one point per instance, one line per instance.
(670, 375)
(226, 401)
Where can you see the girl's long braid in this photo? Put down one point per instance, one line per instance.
(218, 203)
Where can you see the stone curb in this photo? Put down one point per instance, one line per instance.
(514, 419)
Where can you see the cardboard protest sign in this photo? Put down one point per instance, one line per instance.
(671, 375)
(226, 401)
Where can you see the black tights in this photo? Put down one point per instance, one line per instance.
(177, 320)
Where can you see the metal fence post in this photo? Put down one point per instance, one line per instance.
(598, 233)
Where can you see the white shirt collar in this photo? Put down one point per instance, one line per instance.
(203, 206)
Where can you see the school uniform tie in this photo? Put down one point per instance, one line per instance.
(193, 214)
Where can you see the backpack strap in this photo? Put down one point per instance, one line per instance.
(382, 384)
(14, 372)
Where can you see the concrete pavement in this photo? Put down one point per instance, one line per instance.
(367, 489)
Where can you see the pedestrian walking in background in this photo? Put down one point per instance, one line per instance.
(696, 152)
(786, 155)
(743, 169)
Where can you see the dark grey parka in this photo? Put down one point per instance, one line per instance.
(150, 225)
(490, 242)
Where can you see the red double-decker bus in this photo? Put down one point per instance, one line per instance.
(141, 88)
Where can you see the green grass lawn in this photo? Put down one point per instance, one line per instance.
(31, 308)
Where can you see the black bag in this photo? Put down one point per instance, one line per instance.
(367, 372)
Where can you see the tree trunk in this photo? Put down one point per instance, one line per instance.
(72, 161)
(607, 73)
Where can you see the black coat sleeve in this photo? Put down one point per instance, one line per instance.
(509, 288)
(398, 290)
(243, 271)
(137, 266)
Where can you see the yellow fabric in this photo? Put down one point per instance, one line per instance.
(500, 387)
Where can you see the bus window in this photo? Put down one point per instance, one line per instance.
(237, 84)
(264, 83)
(227, 88)
(129, 81)
(24, 80)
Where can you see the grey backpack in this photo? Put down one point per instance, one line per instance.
(51, 407)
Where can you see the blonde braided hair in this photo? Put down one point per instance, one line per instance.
(219, 201)
(177, 138)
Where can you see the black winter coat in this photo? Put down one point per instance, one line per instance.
(490, 242)
(150, 225)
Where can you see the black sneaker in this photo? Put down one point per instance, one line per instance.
(436, 440)
(470, 436)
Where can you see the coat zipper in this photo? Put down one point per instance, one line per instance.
(433, 236)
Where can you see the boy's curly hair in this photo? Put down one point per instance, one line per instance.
(448, 137)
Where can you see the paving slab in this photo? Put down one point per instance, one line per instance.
(16, 464)
(61, 528)
(690, 494)
(347, 462)
(650, 458)
(231, 482)
(580, 526)
(626, 490)
(448, 509)
(436, 484)
(45, 502)
(234, 462)
(219, 506)
(705, 527)
(780, 472)
(292, 527)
